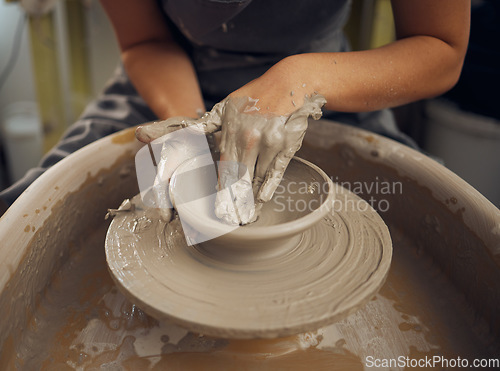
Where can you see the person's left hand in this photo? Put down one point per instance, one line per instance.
(176, 149)
(210, 122)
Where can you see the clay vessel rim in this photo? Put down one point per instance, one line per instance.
(261, 233)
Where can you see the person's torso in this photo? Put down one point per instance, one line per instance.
(235, 41)
(258, 26)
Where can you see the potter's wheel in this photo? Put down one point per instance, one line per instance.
(325, 273)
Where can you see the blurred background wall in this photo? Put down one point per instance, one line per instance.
(60, 60)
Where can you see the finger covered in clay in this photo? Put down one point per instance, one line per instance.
(208, 122)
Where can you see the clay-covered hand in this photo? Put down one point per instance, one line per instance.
(177, 148)
(264, 144)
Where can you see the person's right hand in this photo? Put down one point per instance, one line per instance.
(264, 144)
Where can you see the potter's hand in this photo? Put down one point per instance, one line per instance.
(264, 144)
(178, 147)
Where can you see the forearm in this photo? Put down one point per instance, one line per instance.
(160, 69)
(407, 70)
(424, 62)
(165, 78)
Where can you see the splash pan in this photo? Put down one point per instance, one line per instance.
(60, 308)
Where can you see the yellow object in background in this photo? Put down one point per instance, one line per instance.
(371, 24)
(78, 53)
(55, 112)
(44, 52)
(383, 31)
